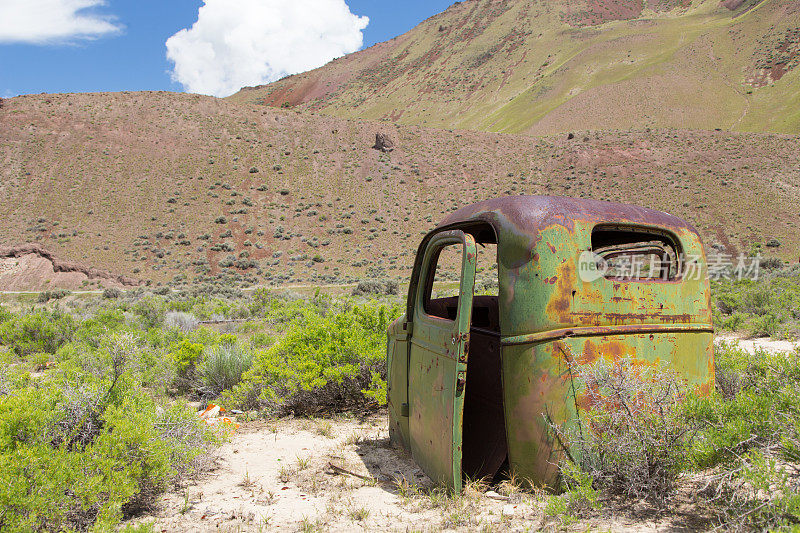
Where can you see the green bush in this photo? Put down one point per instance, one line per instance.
(55, 294)
(750, 434)
(332, 362)
(40, 331)
(186, 355)
(755, 406)
(92, 330)
(75, 456)
(151, 310)
(112, 293)
(96, 437)
(769, 306)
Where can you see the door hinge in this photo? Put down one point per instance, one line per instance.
(404, 410)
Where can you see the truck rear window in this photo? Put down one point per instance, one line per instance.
(636, 254)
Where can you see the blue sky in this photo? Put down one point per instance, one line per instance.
(134, 58)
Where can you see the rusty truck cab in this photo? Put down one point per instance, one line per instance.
(475, 380)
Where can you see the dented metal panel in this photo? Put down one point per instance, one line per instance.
(550, 315)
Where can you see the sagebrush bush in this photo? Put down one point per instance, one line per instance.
(632, 437)
(375, 287)
(223, 365)
(112, 293)
(185, 322)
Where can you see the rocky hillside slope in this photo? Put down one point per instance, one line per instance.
(546, 67)
(175, 187)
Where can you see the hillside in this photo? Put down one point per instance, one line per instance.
(175, 187)
(546, 67)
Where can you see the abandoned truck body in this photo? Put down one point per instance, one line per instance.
(476, 381)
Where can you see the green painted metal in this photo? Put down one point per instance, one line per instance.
(549, 317)
(437, 369)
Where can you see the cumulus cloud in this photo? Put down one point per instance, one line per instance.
(235, 43)
(53, 21)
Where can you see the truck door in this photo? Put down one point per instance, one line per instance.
(437, 370)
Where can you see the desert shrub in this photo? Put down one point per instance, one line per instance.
(111, 293)
(151, 310)
(580, 495)
(262, 340)
(331, 362)
(80, 455)
(55, 294)
(769, 306)
(39, 331)
(632, 437)
(92, 330)
(757, 400)
(765, 325)
(392, 287)
(733, 322)
(750, 436)
(223, 365)
(5, 380)
(772, 263)
(186, 355)
(375, 287)
(185, 322)
(284, 307)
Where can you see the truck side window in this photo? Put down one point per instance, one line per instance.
(486, 281)
(442, 284)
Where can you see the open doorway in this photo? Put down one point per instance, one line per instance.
(484, 448)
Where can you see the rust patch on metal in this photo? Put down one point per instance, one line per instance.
(561, 302)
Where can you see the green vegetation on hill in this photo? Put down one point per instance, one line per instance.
(767, 307)
(552, 67)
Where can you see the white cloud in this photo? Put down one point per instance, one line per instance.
(235, 43)
(53, 21)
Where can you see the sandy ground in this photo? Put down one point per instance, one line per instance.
(342, 475)
(764, 343)
(307, 475)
